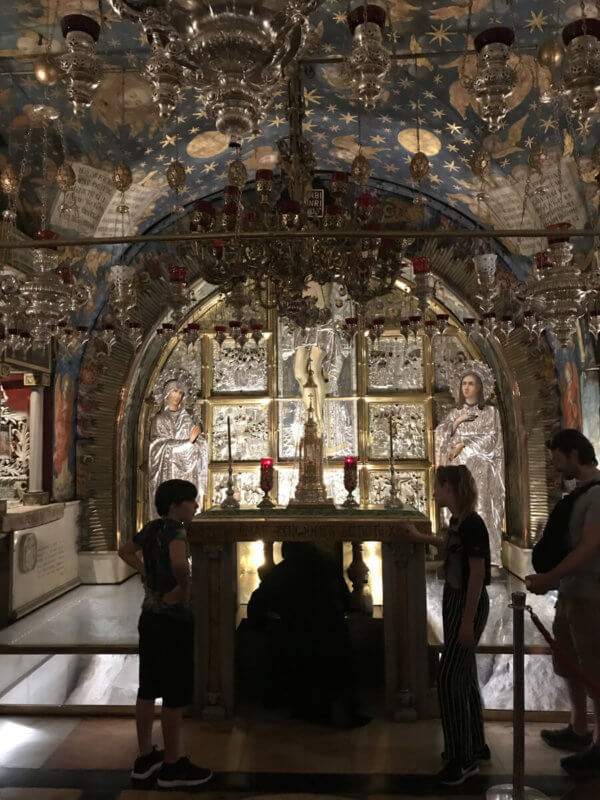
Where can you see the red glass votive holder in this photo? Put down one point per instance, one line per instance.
(350, 480)
(266, 482)
(177, 273)
(558, 227)
(66, 275)
(421, 265)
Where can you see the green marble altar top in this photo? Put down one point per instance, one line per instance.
(316, 511)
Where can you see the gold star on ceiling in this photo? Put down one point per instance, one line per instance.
(450, 166)
(311, 96)
(209, 167)
(168, 141)
(548, 124)
(277, 122)
(453, 127)
(377, 139)
(440, 34)
(537, 22)
(348, 118)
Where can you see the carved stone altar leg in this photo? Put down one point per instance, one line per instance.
(405, 630)
(358, 573)
(214, 590)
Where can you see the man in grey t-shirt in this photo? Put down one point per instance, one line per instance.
(577, 620)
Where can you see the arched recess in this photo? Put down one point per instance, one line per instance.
(108, 453)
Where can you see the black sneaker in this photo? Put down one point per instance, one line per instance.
(483, 755)
(182, 773)
(455, 773)
(567, 739)
(145, 766)
(584, 765)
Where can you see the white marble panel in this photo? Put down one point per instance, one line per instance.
(46, 561)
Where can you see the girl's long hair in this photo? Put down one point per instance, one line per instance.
(463, 486)
(480, 397)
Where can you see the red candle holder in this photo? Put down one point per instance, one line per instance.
(421, 265)
(560, 228)
(203, 216)
(339, 184)
(220, 334)
(266, 482)
(177, 274)
(66, 275)
(350, 480)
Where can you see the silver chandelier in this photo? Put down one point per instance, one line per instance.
(232, 53)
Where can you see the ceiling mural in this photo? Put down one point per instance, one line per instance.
(425, 92)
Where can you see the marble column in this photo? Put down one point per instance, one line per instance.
(36, 495)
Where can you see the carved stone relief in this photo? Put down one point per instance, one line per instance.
(413, 488)
(408, 430)
(236, 371)
(249, 432)
(396, 365)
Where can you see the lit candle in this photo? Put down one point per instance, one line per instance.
(391, 442)
(229, 436)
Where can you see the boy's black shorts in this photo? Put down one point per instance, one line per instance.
(166, 659)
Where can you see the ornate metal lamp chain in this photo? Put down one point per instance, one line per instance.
(45, 186)
(463, 80)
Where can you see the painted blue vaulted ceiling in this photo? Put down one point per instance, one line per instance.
(334, 122)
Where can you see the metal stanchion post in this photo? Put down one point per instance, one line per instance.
(516, 790)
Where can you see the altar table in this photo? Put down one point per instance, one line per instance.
(213, 536)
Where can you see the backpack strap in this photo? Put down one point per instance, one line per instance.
(576, 493)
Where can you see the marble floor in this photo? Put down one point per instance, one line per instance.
(98, 616)
(58, 758)
(103, 620)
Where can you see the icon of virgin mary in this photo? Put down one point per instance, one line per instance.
(471, 435)
(178, 448)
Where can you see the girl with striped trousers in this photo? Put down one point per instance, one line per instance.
(465, 611)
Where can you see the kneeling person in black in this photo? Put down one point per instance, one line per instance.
(166, 629)
(313, 664)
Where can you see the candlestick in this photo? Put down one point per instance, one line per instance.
(266, 482)
(229, 502)
(393, 501)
